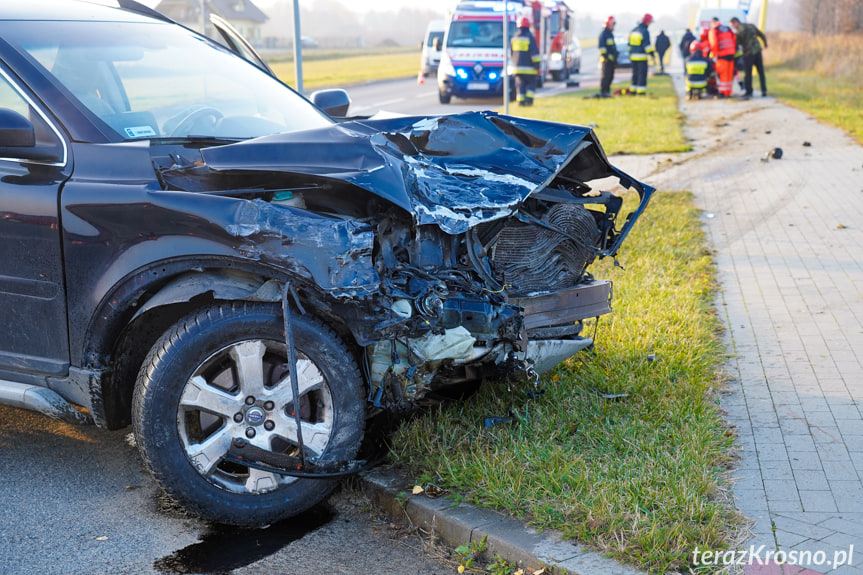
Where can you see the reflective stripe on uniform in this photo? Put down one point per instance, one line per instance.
(696, 67)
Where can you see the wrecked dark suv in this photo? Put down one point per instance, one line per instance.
(192, 248)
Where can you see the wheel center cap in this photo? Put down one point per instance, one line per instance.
(255, 416)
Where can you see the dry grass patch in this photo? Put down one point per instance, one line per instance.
(822, 75)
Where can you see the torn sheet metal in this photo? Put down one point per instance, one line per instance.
(452, 171)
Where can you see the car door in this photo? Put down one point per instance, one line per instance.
(33, 166)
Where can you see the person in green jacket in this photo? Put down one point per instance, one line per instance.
(748, 36)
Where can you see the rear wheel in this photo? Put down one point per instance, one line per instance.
(222, 374)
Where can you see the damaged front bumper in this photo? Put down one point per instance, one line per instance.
(451, 248)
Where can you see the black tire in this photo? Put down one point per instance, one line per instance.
(557, 75)
(444, 98)
(200, 374)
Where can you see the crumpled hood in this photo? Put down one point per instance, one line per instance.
(454, 171)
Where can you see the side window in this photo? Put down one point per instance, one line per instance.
(9, 98)
(48, 146)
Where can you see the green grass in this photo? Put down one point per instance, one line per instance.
(639, 477)
(820, 75)
(343, 70)
(624, 124)
(836, 101)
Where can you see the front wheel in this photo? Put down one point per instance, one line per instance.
(444, 98)
(221, 374)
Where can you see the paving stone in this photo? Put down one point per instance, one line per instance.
(811, 479)
(847, 523)
(766, 418)
(817, 500)
(798, 524)
(857, 459)
(751, 500)
(787, 539)
(793, 427)
(762, 523)
(810, 517)
(777, 469)
(770, 452)
(767, 436)
(749, 483)
(794, 443)
(845, 411)
(824, 435)
(833, 452)
(839, 470)
(842, 540)
(848, 495)
(785, 505)
(820, 418)
(811, 403)
(850, 427)
(804, 460)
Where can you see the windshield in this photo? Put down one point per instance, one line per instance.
(149, 79)
(477, 34)
(434, 37)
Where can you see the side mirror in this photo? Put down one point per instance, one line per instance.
(334, 102)
(438, 44)
(16, 131)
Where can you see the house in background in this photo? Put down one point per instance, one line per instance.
(242, 14)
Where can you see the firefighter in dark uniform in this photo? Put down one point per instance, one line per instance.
(608, 56)
(526, 58)
(698, 68)
(639, 50)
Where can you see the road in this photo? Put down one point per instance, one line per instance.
(408, 97)
(76, 500)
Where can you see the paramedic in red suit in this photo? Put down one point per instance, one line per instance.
(723, 46)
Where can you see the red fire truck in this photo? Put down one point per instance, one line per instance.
(560, 49)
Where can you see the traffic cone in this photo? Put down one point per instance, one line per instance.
(421, 78)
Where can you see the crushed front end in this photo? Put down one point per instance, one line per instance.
(468, 246)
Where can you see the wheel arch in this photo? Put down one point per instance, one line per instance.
(138, 311)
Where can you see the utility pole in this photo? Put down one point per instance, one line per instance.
(762, 17)
(298, 49)
(204, 17)
(506, 56)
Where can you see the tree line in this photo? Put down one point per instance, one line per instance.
(831, 17)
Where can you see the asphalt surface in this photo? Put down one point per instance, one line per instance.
(76, 500)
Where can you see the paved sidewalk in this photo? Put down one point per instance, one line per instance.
(788, 241)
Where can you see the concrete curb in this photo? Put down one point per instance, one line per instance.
(457, 524)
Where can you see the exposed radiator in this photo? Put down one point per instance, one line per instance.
(535, 258)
